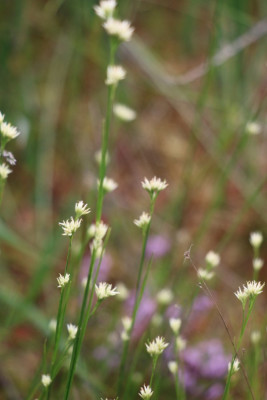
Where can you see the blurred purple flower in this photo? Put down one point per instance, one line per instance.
(214, 392)
(145, 312)
(157, 246)
(104, 270)
(201, 303)
(173, 311)
(207, 359)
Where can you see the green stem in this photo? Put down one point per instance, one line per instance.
(81, 328)
(155, 360)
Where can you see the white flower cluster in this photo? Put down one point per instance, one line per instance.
(173, 367)
(154, 186)
(97, 232)
(104, 290)
(157, 346)
(145, 392)
(213, 259)
(115, 73)
(46, 380)
(180, 343)
(62, 280)
(8, 131)
(250, 290)
(70, 226)
(234, 367)
(253, 128)
(164, 296)
(81, 209)
(175, 324)
(143, 220)
(256, 239)
(105, 9)
(123, 112)
(72, 331)
(126, 323)
(4, 171)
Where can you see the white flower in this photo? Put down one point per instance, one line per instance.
(123, 291)
(46, 380)
(80, 209)
(180, 343)
(235, 366)
(212, 258)
(125, 336)
(256, 239)
(2, 117)
(165, 296)
(115, 73)
(254, 288)
(173, 367)
(145, 392)
(157, 346)
(242, 296)
(123, 112)
(104, 290)
(70, 226)
(4, 171)
(253, 128)
(109, 184)
(143, 220)
(8, 131)
(72, 330)
(52, 325)
(257, 264)
(97, 231)
(98, 157)
(154, 186)
(97, 247)
(127, 323)
(175, 324)
(204, 274)
(105, 8)
(122, 29)
(255, 337)
(63, 280)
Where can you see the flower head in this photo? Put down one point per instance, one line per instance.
(173, 367)
(180, 343)
(97, 231)
(115, 73)
(256, 239)
(253, 128)
(46, 380)
(72, 330)
(154, 186)
(8, 131)
(2, 117)
(81, 209)
(105, 8)
(63, 280)
(145, 392)
(254, 288)
(212, 259)
(235, 366)
(123, 112)
(257, 264)
(175, 324)
(70, 226)
(143, 220)
(104, 290)
(52, 325)
(109, 185)
(121, 29)
(157, 346)
(204, 274)
(255, 337)
(4, 171)
(165, 296)
(127, 323)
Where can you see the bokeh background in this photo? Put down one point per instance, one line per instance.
(196, 76)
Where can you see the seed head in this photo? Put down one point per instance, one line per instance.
(154, 186)
(115, 73)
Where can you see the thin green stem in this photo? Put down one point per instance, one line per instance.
(155, 360)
